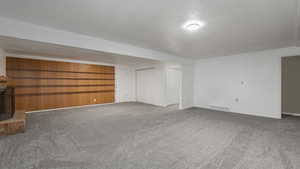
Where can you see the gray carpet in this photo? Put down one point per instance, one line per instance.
(140, 136)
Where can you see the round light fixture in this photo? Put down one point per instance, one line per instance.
(193, 26)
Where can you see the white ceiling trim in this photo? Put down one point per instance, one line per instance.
(23, 30)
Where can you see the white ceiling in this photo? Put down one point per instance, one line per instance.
(32, 48)
(233, 26)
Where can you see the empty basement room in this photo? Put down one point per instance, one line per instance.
(172, 84)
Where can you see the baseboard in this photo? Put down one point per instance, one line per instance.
(291, 114)
(229, 111)
(72, 107)
(172, 104)
(185, 107)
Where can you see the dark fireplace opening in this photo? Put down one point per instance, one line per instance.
(7, 105)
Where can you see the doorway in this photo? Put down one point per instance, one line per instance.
(159, 86)
(173, 87)
(291, 85)
(149, 87)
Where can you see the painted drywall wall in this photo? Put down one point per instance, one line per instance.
(2, 63)
(124, 76)
(248, 83)
(151, 85)
(173, 85)
(291, 85)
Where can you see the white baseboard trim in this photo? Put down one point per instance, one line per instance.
(172, 104)
(291, 114)
(254, 114)
(186, 107)
(72, 107)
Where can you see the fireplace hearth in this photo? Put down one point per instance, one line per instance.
(11, 121)
(7, 105)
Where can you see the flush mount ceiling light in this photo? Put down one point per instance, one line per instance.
(193, 26)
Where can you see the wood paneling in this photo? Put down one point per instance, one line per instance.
(44, 84)
(45, 74)
(21, 82)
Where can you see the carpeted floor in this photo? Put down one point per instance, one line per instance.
(140, 136)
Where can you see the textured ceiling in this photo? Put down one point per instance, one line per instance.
(233, 26)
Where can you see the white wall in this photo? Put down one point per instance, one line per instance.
(2, 63)
(173, 86)
(124, 75)
(151, 85)
(248, 83)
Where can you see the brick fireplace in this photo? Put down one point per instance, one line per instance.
(11, 122)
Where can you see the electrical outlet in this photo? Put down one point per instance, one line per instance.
(237, 99)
